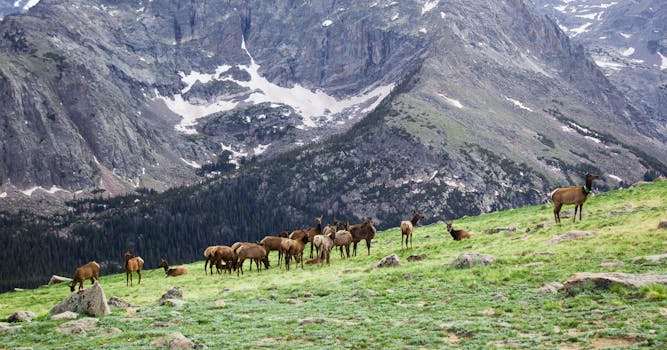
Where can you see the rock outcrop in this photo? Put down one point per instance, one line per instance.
(91, 301)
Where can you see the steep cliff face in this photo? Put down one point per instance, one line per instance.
(628, 42)
(115, 95)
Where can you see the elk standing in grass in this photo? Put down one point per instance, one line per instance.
(132, 264)
(572, 195)
(408, 227)
(314, 231)
(365, 231)
(90, 270)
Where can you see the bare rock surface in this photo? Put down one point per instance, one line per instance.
(468, 260)
(587, 280)
(572, 235)
(91, 301)
(389, 260)
(21, 316)
(79, 326)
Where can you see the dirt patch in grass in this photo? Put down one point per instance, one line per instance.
(602, 343)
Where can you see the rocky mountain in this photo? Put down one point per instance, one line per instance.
(15, 6)
(497, 102)
(628, 41)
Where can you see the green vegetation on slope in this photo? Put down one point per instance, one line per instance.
(420, 304)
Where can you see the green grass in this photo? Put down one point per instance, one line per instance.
(423, 304)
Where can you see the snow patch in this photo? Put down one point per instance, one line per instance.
(518, 103)
(663, 61)
(429, 5)
(327, 23)
(627, 36)
(28, 4)
(615, 177)
(581, 29)
(423, 30)
(311, 105)
(628, 52)
(260, 149)
(451, 101)
(3, 195)
(595, 15)
(395, 17)
(603, 63)
(51, 190)
(191, 163)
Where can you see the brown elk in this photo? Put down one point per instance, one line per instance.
(408, 227)
(271, 243)
(314, 231)
(132, 264)
(294, 246)
(572, 195)
(174, 271)
(90, 270)
(365, 231)
(324, 244)
(255, 252)
(457, 235)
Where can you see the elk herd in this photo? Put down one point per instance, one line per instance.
(290, 247)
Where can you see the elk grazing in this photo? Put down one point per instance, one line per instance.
(324, 244)
(90, 270)
(226, 254)
(314, 231)
(365, 231)
(457, 235)
(174, 271)
(271, 243)
(572, 195)
(132, 264)
(255, 252)
(209, 257)
(408, 227)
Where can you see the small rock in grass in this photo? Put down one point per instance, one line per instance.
(220, 303)
(468, 260)
(80, 326)
(116, 302)
(571, 235)
(417, 257)
(311, 320)
(67, 315)
(307, 295)
(551, 288)
(7, 328)
(662, 224)
(389, 260)
(21, 316)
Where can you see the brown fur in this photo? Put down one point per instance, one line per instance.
(209, 257)
(408, 227)
(314, 231)
(254, 252)
(365, 231)
(226, 254)
(457, 235)
(343, 240)
(90, 270)
(324, 244)
(293, 247)
(174, 271)
(271, 243)
(572, 195)
(132, 264)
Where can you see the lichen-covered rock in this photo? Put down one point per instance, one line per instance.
(117, 302)
(389, 260)
(67, 315)
(21, 316)
(79, 326)
(590, 280)
(91, 301)
(571, 235)
(468, 260)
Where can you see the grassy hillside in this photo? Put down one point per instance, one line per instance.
(422, 304)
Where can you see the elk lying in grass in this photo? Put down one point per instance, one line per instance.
(408, 227)
(132, 264)
(457, 235)
(251, 251)
(90, 270)
(365, 231)
(174, 271)
(572, 195)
